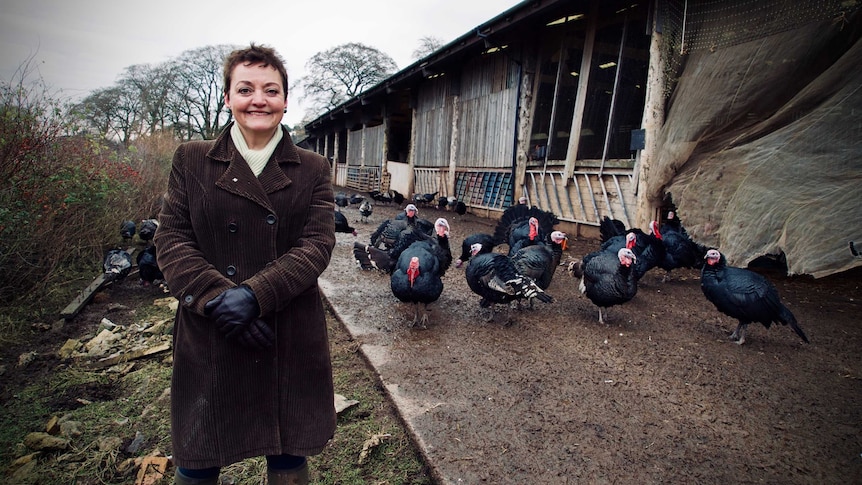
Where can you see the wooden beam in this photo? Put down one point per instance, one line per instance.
(73, 308)
(580, 99)
(80, 301)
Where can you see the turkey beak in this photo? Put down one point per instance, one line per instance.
(565, 243)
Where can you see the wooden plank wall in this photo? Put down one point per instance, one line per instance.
(433, 124)
(374, 146)
(354, 148)
(487, 124)
(488, 96)
(365, 147)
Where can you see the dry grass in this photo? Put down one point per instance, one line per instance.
(120, 406)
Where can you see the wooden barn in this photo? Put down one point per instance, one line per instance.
(743, 116)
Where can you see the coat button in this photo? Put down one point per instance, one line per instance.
(188, 299)
(270, 219)
(232, 227)
(231, 270)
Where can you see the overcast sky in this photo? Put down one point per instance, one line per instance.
(83, 45)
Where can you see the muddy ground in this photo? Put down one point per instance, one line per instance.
(658, 394)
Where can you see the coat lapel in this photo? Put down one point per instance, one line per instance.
(240, 180)
(273, 177)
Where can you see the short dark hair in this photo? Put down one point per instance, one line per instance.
(254, 54)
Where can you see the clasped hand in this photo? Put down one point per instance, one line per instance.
(235, 312)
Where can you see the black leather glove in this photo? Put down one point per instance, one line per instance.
(233, 310)
(256, 335)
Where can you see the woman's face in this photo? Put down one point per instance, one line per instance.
(256, 98)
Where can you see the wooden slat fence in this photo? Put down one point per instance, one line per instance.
(587, 198)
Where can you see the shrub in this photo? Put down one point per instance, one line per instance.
(63, 196)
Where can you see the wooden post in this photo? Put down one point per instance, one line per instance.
(335, 148)
(449, 189)
(362, 146)
(653, 119)
(527, 108)
(387, 128)
(581, 99)
(411, 158)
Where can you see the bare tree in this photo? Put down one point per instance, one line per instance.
(136, 105)
(427, 45)
(153, 84)
(198, 94)
(340, 73)
(95, 112)
(115, 112)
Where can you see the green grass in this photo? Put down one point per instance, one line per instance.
(119, 405)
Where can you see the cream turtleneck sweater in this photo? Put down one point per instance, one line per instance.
(256, 159)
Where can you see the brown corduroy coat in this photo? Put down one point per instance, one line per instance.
(221, 226)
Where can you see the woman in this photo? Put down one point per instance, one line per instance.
(245, 230)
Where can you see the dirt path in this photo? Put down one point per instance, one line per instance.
(657, 395)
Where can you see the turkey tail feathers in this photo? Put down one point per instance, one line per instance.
(527, 288)
(377, 235)
(521, 213)
(368, 257)
(361, 256)
(609, 228)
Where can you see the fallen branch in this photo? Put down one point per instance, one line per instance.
(371, 443)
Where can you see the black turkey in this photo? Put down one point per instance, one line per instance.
(607, 277)
(147, 229)
(341, 224)
(744, 295)
(540, 261)
(148, 266)
(521, 226)
(460, 208)
(341, 200)
(648, 247)
(496, 280)
(365, 210)
(485, 242)
(680, 250)
(117, 264)
(425, 199)
(127, 230)
(389, 231)
(370, 257)
(417, 274)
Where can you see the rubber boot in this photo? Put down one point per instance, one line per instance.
(180, 479)
(294, 476)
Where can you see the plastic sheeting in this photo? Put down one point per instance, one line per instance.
(761, 149)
